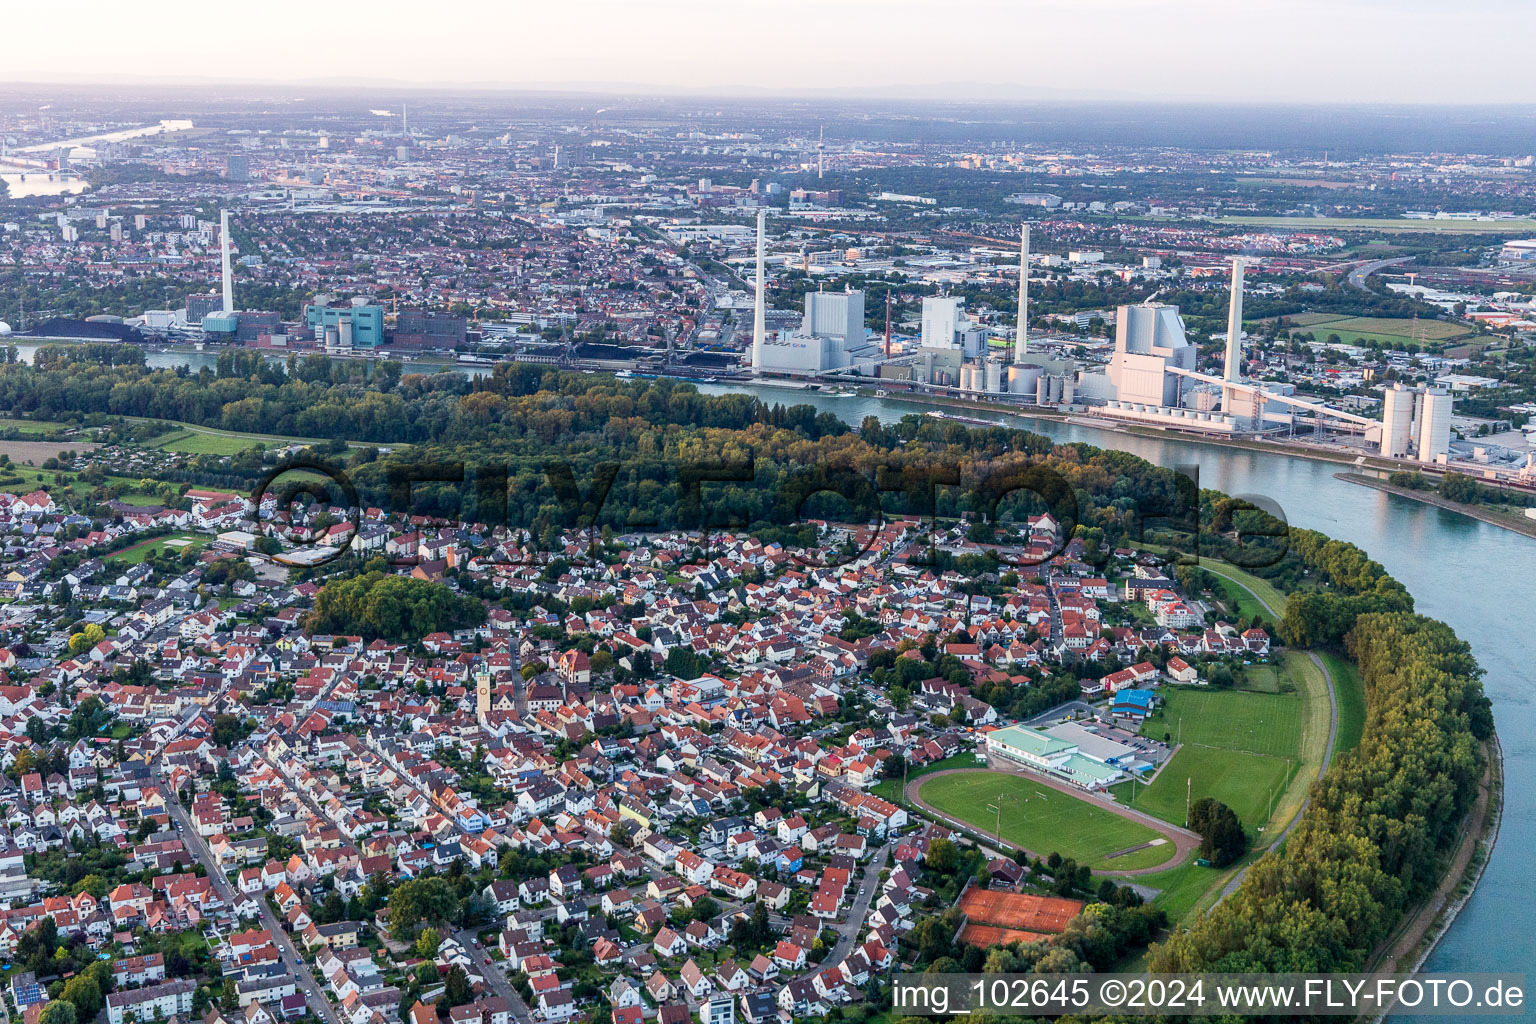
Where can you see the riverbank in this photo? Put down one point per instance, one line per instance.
(1420, 933)
(1520, 525)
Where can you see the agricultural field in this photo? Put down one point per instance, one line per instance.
(1044, 820)
(38, 452)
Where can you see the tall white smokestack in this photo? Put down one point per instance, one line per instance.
(229, 279)
(1021, 333)
(760, 309)
(1235, 324)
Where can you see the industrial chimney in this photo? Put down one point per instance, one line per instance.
(229, 280)
(1235, 325)
(1021, 333)
(759, 312)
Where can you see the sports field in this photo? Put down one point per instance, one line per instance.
(146, 549)
(1240, 747)
(1044, 820)
(1245, 782)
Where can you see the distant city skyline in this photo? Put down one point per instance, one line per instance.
(1413, 51)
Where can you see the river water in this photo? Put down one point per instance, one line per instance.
(1473, 575)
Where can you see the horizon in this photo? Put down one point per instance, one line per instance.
(1312, 52)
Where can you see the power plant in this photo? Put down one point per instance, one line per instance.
(1149, 378)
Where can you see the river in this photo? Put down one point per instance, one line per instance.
(1472, 575)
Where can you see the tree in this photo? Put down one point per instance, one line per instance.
(87, 638)
(57, 1012)
(378, 604)
(421, 903)
(427, 943)
(1222, 839)
(84, 991)
(943, 856)
(456, 990)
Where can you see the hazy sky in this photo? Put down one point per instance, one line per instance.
(1280, 50)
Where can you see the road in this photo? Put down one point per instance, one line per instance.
(1359, 274)
(494, 977)
(313, 994)
(848, 932)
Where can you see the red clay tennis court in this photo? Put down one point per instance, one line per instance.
(995, 917)
(986, 936)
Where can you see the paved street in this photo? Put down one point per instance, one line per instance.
(296, 966)
(495, 977)
(849, 931)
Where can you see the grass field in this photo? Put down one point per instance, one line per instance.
(1392, 332)
(1182, 887)
(1349, 691)
(222, 440)
(1307, 319)
(1260, 679)
(1261, 589)
(33, 478)
(1240, 603)
(189, 442)
(1247, 783)
(1267, 724)
(146, 549)
(1044, 820)
(1430, 330)
(30, 426)
(1403, 224)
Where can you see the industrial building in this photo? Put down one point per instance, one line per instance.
(345, 327)
(831, 336)
(1416, 424)
(415, 329)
